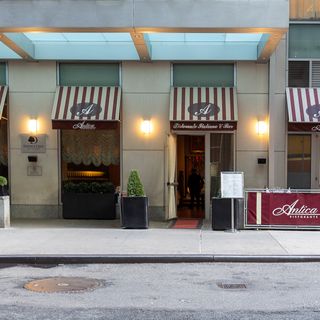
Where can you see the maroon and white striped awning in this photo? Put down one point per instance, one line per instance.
(85, 107)
(205, 108)
(3, 95)
(303, 109)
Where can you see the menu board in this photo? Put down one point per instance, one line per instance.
(232, 184)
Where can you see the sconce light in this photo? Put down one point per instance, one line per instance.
(261, 127)
(146, 126)
(33, 125)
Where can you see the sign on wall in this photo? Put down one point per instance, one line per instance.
(203, 125)
(84, 125)
(33, 143)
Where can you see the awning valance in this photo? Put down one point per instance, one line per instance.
(303, 106)
(3, 95)
(203, 108)
(86, 107)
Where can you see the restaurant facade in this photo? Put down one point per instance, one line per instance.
(225, 104)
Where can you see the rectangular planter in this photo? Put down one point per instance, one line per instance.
(221, 213)
(134, 212)
(88, 206)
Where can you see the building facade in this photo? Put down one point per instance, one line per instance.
(203, 98)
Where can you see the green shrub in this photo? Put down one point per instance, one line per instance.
(3, 181)
(135, 186)
(102, 187)
(88, 187)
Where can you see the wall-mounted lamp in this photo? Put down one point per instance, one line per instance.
(33, 125)
(146, 126)
(261, 127)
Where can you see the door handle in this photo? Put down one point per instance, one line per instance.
(172, 184)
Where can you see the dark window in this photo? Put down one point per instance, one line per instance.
(315, 74)
(298, 74)
(203, 75)
(89, 74)
(304, 41)
(299, 161)
(2, 73)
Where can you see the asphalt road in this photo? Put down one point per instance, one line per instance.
(167, 291)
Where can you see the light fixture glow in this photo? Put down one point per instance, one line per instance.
(33, 125)
(261, 127)
(146, 126)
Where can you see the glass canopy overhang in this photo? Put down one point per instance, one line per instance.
(7, 53)
(205, 46)
(124, 46)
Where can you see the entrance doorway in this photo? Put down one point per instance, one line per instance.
(208, 153)
(190, 176)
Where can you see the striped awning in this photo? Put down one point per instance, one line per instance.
(303, 106)
(86, 107)
(3, 95)
(203, 108)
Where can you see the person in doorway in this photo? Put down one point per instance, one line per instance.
(195, 185)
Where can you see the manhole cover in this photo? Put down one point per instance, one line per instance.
(63, 284)
(231, 285)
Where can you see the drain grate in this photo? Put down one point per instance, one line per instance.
(231, 285)
(63, 284)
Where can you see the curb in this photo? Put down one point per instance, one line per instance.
(108, 258)
(149, 258)
(266, 258)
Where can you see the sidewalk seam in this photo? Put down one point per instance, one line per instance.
(281, 246)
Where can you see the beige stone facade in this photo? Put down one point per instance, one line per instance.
(145, 94)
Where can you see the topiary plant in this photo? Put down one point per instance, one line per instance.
(135, 186)
(3, 181)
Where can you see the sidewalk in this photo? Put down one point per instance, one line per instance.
(60, 240)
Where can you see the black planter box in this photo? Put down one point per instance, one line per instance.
(100, 206)
(134, 212)
(221, 213)
(4, 191)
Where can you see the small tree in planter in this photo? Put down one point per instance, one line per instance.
(134, 207)
(135, 186)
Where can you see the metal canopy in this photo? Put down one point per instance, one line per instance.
(141, 29)
(144, 46)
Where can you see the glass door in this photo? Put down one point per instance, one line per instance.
(315, 161)
(221, 159)
(299, 161)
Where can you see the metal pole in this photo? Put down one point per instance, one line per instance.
(232, 229)
(232, 215)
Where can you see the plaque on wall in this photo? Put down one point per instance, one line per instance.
(33, 143)
(34, 171)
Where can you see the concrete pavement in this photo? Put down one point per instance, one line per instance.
(79, 241)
